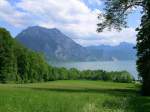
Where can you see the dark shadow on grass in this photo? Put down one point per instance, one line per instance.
(140, 103)
(135, 102)
(88, 90)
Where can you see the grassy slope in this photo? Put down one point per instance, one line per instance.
(72, 96)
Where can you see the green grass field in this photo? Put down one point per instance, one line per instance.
(72, 96)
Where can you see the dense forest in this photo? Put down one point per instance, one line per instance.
(21, 65)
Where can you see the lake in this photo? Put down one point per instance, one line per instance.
(129, 66)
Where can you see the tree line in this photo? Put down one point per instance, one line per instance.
(21, 65)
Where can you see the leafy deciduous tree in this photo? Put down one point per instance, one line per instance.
(116, 12)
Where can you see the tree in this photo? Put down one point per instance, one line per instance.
(116, 12)
(7, 58)
(73, 73)
(19, 64)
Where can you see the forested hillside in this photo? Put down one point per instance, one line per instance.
(17, 63)
(21, 65)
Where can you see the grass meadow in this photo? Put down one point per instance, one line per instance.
(73, 96)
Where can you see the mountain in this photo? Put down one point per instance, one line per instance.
(58, 47)
(53, 43)
(123, 51)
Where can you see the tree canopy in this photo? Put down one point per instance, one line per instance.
(115, 15)
(116, 12)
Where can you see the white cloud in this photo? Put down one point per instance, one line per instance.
(9, 14)
(110, 38)
(73, 17)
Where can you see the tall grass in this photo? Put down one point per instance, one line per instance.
(72, 96)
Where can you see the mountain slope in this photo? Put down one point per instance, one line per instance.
(54, 44)
(58, 47)
(123, 51)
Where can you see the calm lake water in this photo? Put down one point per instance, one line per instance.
(129, 66)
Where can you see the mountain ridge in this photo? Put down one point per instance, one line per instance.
(123, 51)
(53, 43)
(57, 46)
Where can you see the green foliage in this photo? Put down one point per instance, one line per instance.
(121, 77)
(115, 15)
(20, 65)
(143, 47)
(7, 57)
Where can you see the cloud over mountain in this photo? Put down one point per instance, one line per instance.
(74, 17)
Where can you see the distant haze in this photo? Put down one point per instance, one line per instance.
(57, 46)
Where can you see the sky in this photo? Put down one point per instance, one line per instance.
(75, 18)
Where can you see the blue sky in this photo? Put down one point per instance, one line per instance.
(75, 18)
